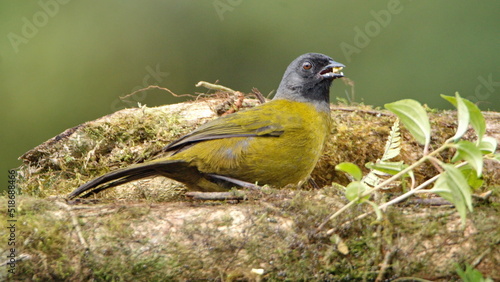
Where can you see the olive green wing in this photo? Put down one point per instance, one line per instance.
(259, 121)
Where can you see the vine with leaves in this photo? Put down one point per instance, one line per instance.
(455, 180)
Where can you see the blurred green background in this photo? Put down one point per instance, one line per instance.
(64, 62)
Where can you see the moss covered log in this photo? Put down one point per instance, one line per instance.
(147, 230)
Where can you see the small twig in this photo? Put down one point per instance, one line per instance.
(19, 258)
(479, 258)
(436, 163)
(98, 214)
(386, 263)
(215, 196)
(157, 87)
(426, 149)
(212, 86)
(93, 207)
(349, 82)
(484, 197)
(430, 202)
(375, 113)
(238, 100)
(406, 279)
(74, 221)
(259, 95)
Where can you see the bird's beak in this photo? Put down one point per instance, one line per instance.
(332, 70)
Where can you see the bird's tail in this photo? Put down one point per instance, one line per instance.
(122, 176)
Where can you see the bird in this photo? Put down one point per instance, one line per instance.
(276, 143)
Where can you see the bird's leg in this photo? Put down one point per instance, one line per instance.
(229, 181)
(313, 184)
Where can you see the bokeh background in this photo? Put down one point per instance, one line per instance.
(64, 62)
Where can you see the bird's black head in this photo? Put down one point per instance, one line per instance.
(308, 79)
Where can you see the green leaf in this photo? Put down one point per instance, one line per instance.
(383, 169)
(459, 183)
(497, 157)
(393, 144)
(377, 210)
(414, 117)
(488, 145)
(351, 169)
(462, 115)
(453, 186)
(372, 179)
(468, 151)
(387, 167)
(476, 117)
(442, 188)
(472, 179)
(391, 150)
(354, 190)
(470, 274)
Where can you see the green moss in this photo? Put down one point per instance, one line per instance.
(95, 148)
(277, 235)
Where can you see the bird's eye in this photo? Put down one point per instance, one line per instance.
(307, 65)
